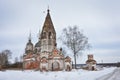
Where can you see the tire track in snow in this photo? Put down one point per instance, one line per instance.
(115, 75)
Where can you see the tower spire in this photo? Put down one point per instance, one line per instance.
(48, 25)
(48, 10)
(29, 37)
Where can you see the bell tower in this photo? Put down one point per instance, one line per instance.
(48, 34)
(29, 46)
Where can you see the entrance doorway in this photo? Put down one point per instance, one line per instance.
(55, 66)
(68, 68)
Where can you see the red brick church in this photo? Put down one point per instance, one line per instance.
(45, 55)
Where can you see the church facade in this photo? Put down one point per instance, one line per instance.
(44, 55)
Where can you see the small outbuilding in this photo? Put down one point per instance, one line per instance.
(91, 63)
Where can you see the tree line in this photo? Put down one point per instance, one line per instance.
(5, 63)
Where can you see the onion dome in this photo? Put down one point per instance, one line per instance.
(29, 45)
(38, 44)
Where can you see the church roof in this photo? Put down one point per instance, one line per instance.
(38, 44)
(29, 43)
(48, 24)
(88, 61)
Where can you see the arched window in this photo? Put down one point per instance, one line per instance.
(44, 34)
(49, 35)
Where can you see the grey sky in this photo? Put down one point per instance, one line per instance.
(99, 20)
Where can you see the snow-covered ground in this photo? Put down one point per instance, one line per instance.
(115, 75)
(60, 75)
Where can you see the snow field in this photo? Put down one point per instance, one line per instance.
(60, 75)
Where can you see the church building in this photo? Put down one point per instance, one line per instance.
(44, 55)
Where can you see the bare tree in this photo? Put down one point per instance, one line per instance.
(4, 57)
(74, 39)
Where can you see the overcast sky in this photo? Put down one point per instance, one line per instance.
(99, 20)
